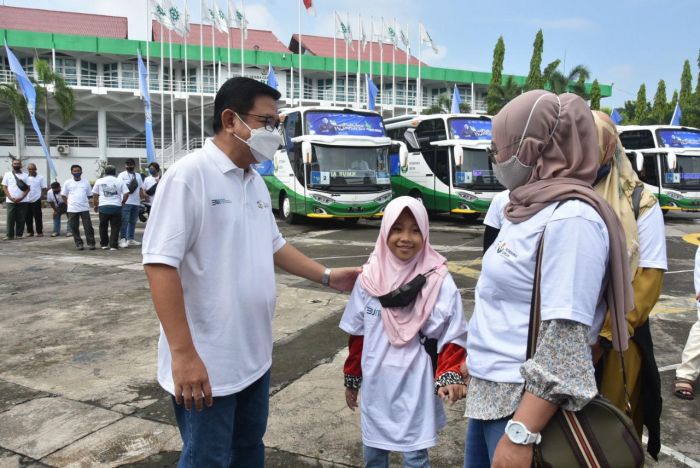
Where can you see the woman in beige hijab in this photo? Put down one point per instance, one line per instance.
(642, 220)
(544, 149)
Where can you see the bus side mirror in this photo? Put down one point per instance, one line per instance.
(459, 155)
(403, 155)
(639, 161)
(671, 161)
(411, 138)
(306, 152)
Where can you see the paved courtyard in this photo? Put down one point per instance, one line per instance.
(78, 352)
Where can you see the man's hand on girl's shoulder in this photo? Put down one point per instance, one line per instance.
(343, 279)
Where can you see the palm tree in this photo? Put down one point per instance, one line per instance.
(13, 99)
(52, 83)
(443, 105)
(502, 94)
(574, 81)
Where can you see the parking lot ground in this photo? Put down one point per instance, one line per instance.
(78, 339)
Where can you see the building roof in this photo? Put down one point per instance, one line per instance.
(63, 22)
(323, 47)
(264, 40)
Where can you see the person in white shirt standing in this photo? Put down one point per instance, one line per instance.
(109, 196)
(15, 184)
(53, 197)
(130, 211)
(37, 192)
(210, 227)
(75, 193)
(150, 184)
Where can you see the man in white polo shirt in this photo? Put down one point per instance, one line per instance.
(37, 191)
(75, 193)
(210, 249)
(15, 184)
(130, 210)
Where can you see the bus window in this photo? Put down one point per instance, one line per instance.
(436, 157)
(649, 173)
(291, 126)
(637, 139)
(430, 130)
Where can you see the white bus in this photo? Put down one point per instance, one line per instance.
(447, 165)
(667, 160)
(334, 164)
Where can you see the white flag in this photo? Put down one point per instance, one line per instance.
(404, 38)
(363, 36)
(426, 39)
(391, 33)
(345, 31)
(159, 11)
(236, 18)
(180, 21)
(221, 23)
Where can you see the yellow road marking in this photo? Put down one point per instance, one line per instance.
(465, 268)
(693, 238)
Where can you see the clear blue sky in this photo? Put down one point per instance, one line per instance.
(625, 42)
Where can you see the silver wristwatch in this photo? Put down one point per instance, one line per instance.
(518, 433)
(326, 278)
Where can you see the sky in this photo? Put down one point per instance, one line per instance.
(622, 42)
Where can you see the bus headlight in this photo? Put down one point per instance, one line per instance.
(383, 198)
(466, 196)
(322, 199)
(674, 195)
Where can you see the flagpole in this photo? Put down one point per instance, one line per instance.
(408, 54)
(393, 73)
(301, 72)
(172, 97)
(201, 71)
(242, 25)
(381, 68)
(187, 85)
(162, 99)
(228, 49)
(419, 90)
(149, 36)
(335, 55)
(358, 86)
(347, 71)
(213, 49)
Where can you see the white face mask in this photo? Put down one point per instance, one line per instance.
(512, 173)
(262, 142)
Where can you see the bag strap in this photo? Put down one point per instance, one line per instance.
(535, 318)
(637, 200)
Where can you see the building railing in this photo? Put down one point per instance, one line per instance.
(131, 142)
(7, 139)
(75, 141)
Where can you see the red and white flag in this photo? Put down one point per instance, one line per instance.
(310, 7)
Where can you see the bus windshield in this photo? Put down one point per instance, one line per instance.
(345, 168)
(686, 176)
(475, 172)
(344, 123)
(674, 138)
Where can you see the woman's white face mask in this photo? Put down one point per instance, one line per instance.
(512, 173)
(262, 142)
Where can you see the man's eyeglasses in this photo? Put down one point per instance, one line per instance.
(271, 123)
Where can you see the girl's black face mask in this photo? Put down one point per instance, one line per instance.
(404, 295)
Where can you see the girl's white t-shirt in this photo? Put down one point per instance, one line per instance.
(574, 267)
(496, 213)
(399, 409)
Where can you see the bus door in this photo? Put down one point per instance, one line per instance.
(438, 178)
(294, 179)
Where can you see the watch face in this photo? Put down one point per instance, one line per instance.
(517, 433)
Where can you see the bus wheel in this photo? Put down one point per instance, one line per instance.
(417, 195)
(472, 217)
(286, 210)
(350, 221)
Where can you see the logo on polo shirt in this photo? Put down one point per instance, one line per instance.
(503, 250)
(219, 201)
(262, 205)
(371, 311)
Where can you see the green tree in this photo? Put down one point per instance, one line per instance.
(534, 77)
(697, 86)
(503, 94)
(499, 52)
(641, 105)
(13, 99)
(686, 86)
(595, 95)
(443, 105)
(660, 107)
(628, 112)
(558, 83)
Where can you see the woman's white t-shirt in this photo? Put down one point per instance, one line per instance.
(399, 408)
(652, 239)
(496, 213)
(574, 266)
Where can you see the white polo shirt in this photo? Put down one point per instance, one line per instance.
(652, 239)
(8, 180)
(497, 210)
(149, 182)
(110, 190)
(574, 265)
(77, 193)
(400, 411)
(36, 185)
(213, 222)
(134, 198)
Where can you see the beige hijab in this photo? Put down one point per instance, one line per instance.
(617, 187)
(562, 146)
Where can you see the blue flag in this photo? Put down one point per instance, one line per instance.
(615, 117)
(143, 87)
(677, 114)
(27, 88)
(271, 77)
(456, 100)
(372, 91)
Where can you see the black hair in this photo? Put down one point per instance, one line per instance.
(55, 185)
(156, 165)
(239, 94)
(76, 165)
(130, 161)
(110, 170)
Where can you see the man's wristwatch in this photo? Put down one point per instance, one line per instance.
(326, 278)
(519, 434)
